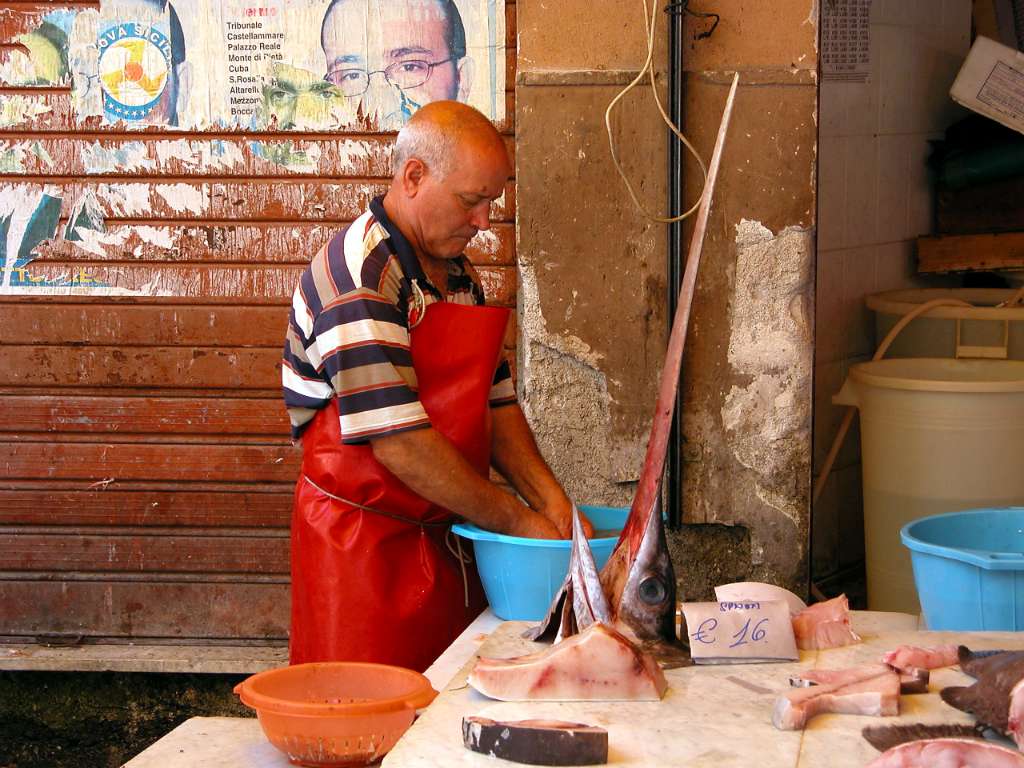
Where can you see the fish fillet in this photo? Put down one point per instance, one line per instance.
(948, 753)
(536, 742)
(911, 656)
(912, 681)
(868, 690)
(824, 625)
(598, 664)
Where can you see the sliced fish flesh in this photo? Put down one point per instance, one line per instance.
(598, 664)
(911, 656)
(824, 625)
(911, 682)
(868, 690)
(883, 737)
(536, 742)
(948, 753)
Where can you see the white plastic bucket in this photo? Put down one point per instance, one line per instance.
(937, 435)
(984, 330)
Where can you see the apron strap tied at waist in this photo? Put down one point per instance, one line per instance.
(392, 515)
(462, 557)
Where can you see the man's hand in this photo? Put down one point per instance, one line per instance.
(535, 526)
(561, 516)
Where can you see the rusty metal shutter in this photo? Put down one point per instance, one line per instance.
(146, 478)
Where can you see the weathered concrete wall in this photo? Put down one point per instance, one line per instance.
(591, 268)
(748, 365)
(593, 274)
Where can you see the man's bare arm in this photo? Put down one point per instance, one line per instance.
(427, 462)
(515, 454)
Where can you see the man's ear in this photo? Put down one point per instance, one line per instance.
(413, 173)
(466, 68)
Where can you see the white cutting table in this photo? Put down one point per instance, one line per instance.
(711, 716)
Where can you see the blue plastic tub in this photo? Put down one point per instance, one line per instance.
(969, 568)
(520, 576)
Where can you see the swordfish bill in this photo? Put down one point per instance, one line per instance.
(638, 580)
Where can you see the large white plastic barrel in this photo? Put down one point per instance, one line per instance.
(937, 435)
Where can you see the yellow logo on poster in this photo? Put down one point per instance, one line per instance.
(134, 62)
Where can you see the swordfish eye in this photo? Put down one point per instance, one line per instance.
(652, 591)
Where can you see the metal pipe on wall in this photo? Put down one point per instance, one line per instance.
(673, 495)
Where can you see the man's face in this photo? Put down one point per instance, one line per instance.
(295, 97)
(450, 211)
(373, 35)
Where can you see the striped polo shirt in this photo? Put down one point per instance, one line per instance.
(348, 331)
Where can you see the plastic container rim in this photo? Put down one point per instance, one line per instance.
(260, 701)
(899, 303)
(987, 559)
(861, 373)
(470, 531)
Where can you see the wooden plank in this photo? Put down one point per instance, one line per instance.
(53, 112)
(139, 553)
(267, 282)
(142, 325)
(154, 278)
(143, 415)
(106, 505)
(98, 462)
(258, 242)
(958, 253)
(253, 200)
(156, 610)
(166, 367)
(360, 156)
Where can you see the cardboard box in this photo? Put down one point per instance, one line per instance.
(991, 83)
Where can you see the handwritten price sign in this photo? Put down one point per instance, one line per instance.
(737, 632)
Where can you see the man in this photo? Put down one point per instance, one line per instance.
(390, 57)
(394, 381)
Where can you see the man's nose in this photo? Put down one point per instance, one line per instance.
(480, 215)
(381, 97)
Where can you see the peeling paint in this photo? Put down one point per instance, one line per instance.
(199, 155)
(487, 242)
(768, 415)
(43, 60)
(17, 109)
(29, 215)
(288, 155)
(183, 197)
(129, 156)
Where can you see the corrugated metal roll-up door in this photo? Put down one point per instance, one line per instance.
(147, 469)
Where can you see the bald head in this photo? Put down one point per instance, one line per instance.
(444, 133)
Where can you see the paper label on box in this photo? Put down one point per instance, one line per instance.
(1003, 90)
(735, 632)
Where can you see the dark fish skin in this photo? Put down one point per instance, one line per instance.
(885, 737)
(989, 698)
(977, 663)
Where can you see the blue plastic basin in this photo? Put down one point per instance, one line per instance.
(969, 568)
(520, 576)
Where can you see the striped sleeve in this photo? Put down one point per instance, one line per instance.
(305, 390)
(362, 349)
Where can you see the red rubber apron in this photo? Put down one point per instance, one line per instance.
(367, 586)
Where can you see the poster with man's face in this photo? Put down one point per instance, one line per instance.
(302, 64)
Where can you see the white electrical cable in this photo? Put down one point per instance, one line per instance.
(648, 68)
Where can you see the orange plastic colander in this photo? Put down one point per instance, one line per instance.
(331, 714)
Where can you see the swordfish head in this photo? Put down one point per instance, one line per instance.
(635, 593)
(640, 584)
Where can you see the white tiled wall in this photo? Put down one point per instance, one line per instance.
(874, 199)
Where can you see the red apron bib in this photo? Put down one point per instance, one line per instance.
(368, 587)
